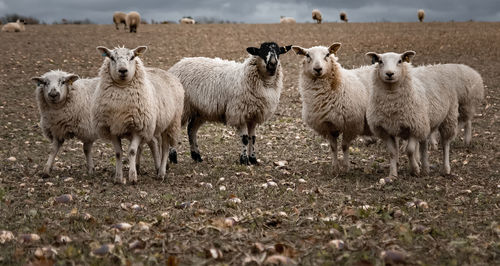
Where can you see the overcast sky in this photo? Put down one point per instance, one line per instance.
(256, 11)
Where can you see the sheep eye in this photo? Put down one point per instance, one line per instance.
(399, 62)
(132, 58)
(112, 58)
(380, 62)
(308, 56)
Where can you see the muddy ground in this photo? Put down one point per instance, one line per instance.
(428, 220)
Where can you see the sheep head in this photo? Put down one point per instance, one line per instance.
(55, 86)
(318, 60)
(122, 62)
(391, 67)
(268, 53)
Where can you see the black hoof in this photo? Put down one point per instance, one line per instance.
(44, 175)
(244, 159)
(196, 157)
(172, 156)
(252, 159)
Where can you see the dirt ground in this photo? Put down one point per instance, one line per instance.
(194, 216)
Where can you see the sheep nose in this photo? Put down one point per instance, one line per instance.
(389, 74)
(53, 94)
(123, 71)
(318, 69)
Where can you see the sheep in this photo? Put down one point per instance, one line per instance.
(133, 20)
(316, 15)
(333, 99)
(119, 18)
(421, 15)
(187, 20)
(287, 20)
(138, 103)
(343, 16)
(410, 105)
(241, 95)
(64, 105)
(17, 26)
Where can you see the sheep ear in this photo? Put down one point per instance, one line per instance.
(140, 50)
(299, 50)
(39, 81)
(253, 51)
(105, 52)
(285, 49)
(334, 48)
(408, 56)
(71, 78)
(373, 56)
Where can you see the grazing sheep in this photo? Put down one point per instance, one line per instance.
(316, 15)
(421, 15)
(139, 103)
(133, 20)
(410, 106)
(343, 17)
(120, 18)
(287, 20)
(237, 94)
(187, 20)
(333, 99)
(17, 26)
(64, 103)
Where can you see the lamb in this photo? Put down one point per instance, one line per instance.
(64, 104)
(316, 15)
(187, 20)
(120, 18)
(17, 26)
(139, 103)
(241, 95)
(411, 105)
(287, 20)
(333, 99)
(343, 16)
(133, 20)
(421, 15)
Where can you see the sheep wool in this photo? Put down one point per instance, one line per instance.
(316, 15)
(287, 20)
(120, 18)
(187, 21)
(133, 21)
(421, 15)
(17, 26)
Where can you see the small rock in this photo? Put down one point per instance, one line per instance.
(229, 222)
(214, 253)
(222, 188)
(264, 186)
(143, 194)
(118, 239)
(6, 236)
(164, 214)
(282, 214)
(207, 185)
(63, 239)
(422, 205)
(45, 253)
(49, 184)
(334, 232)
(12, 159)
(221, 179)
(69, 179)
(393, 256)
(272, 184)
(136, 207)
(142, 226)
(235, 200)
(336, 244)
(301, 180)
(26, 238)
(122, 226)
(65, 198)
(87, 217)
(103, 250)
(280, 163)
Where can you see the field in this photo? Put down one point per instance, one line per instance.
(436, 219)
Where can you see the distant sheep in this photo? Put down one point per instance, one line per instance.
(287, 20)
(64, 102)
(411, 105)
(333, 99)
(120, 18)
(139, 103)
(316, 15)
(187, 21)
(17, 26)
(343, 17)
(421, 15)
(241, 95)
(133, 20)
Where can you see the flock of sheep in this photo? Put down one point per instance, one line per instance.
(390, 99)
(318, 17)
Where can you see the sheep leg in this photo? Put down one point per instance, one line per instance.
(192, 128)
(392, 146)
(87, 149)
(138, 158)
(410, 150)
(468, 132)
(346, 141)
(434, 142)
(446, 156)
(132, 156)
(243, 133)
(251, 144)
(117, 144)
(56, 145)
(154, 147)
(164, 157)
(424, 156)
(332, 139)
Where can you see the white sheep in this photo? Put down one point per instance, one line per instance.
(133, 20)
(316, 15)
(241, 95)
(421, 15)
(409, 105)
(333, 99)
(17, 26)
(287, 20)
(139, 103)
(187, 20)
(343, 16)
(120, 18)
(64, 103)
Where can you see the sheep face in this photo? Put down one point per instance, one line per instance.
(55, 86)
(318, 60)
(122, 62)
(391, 67)
(269, 53)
